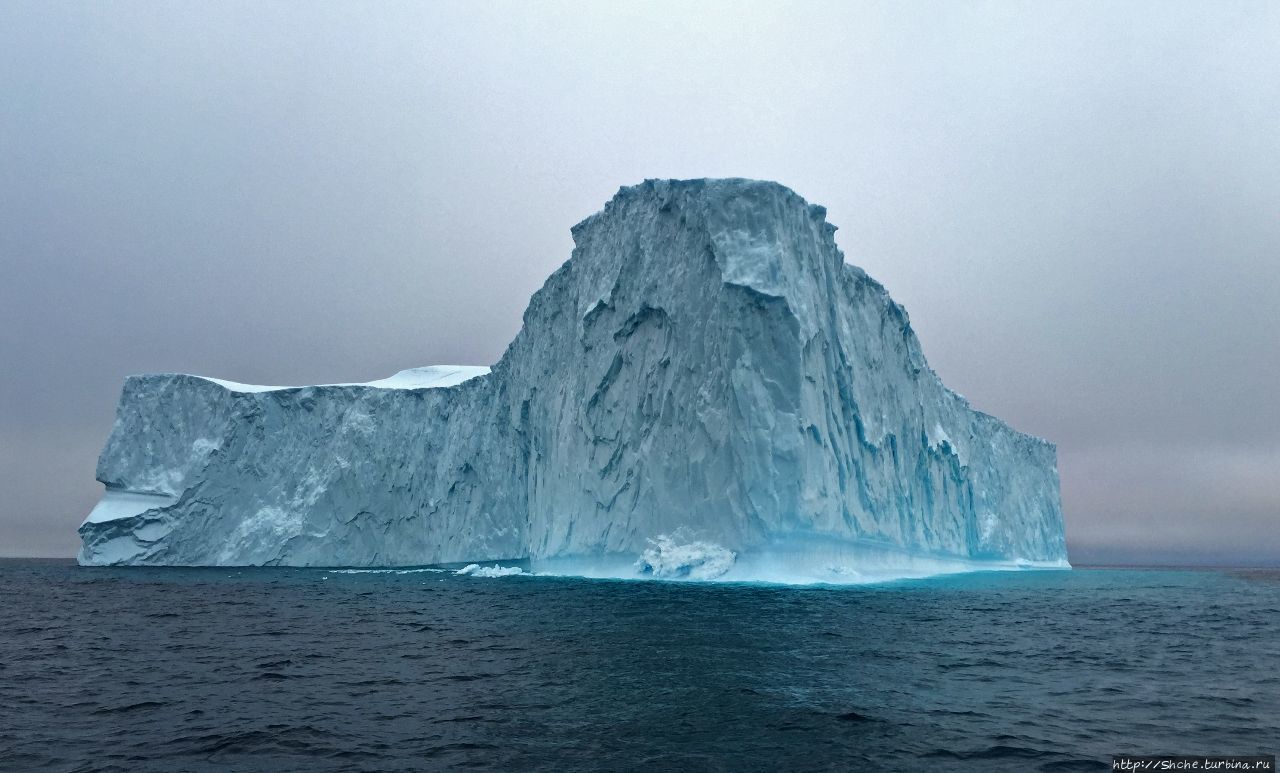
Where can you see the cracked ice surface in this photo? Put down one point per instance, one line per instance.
(704, 364)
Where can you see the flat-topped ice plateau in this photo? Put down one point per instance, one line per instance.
(704, 390)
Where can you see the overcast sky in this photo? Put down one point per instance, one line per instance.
(1078, 203)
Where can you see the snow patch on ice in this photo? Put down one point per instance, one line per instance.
(678, 556)
(939, 440)
(430, 377)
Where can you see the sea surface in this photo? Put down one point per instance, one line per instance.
(316, 670)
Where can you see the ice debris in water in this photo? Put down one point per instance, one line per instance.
(427, 570)
(678, 556)
(476, 570)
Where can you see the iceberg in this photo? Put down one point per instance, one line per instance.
(704, 390)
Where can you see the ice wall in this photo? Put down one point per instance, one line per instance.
(705, 364)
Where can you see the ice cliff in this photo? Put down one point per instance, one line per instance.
(704, 389)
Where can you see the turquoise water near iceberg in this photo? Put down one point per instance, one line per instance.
(287, 669)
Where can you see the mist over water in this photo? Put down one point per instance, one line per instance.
(268, 669)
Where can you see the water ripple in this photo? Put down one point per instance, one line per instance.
(244, 669)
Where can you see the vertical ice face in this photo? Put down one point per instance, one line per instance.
(704, 364)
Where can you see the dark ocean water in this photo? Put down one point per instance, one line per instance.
(278, 669)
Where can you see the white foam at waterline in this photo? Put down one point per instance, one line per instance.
(386, 571)
(476, 570)
(797, 560)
